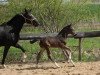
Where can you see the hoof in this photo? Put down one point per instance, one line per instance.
(3, 66)
(24, 56)
(23, 60)
(57, 65)
(73, 66)
(36, 66)
(68, 61)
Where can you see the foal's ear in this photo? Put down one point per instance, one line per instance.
(25, 10)
(70, 25)
(30, 10)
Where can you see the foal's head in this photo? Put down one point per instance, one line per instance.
(29, 18)
(66, 30)
(69, 29)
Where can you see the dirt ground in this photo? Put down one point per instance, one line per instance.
(48, 68)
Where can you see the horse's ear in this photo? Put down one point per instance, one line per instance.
(69, 25)
(30, 10)
(25, 10)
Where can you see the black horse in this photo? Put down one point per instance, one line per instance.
(9, 31)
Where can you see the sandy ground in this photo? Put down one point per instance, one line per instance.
(48, 68)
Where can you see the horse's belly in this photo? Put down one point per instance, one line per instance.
(4, 41)
(54, 44)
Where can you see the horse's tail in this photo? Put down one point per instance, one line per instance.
(35, 39)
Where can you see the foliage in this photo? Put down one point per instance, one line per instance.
(53, 14)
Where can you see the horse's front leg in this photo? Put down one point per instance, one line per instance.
(49, 56)
(6, 48)
(24, 56)
(39, 56)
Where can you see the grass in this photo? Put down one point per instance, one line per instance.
(88, 47)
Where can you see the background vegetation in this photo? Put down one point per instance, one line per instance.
(53, 15)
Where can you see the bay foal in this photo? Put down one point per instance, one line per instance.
(55, 42)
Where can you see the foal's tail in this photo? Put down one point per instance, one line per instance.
(35, 39)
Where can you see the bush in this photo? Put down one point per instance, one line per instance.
(52, 14)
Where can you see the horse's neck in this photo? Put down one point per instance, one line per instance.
(62, 35)
(16, 23)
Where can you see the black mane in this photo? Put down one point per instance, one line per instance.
(16, 23)
(64, 32)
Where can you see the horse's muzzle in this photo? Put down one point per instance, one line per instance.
(75, 34)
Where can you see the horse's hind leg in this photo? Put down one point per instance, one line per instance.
(65, 53)
(6, 48)
(49, 56)
(70, 59)
(23, 50)
(68, 52)
(39, 56)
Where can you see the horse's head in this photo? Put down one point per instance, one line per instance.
(67, 30)
(29, 18)
(70, 30)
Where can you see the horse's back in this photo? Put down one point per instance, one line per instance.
(51, 42)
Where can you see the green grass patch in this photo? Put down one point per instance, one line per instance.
(89, 45)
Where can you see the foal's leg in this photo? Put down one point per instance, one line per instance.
(65, 53)
(39, 56)
(23, 50)
(49, 56)
(68, 51)
(6, 48)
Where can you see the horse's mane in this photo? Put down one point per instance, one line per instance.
(7, 23)
(4, 24)
(63, 32)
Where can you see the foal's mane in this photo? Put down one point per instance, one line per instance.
(64, 32)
